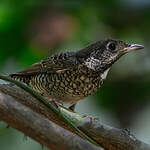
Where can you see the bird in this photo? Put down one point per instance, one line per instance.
(68, 77)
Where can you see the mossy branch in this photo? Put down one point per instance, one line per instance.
(49, 104)
(108, 137)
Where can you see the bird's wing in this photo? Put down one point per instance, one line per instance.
(56, 63)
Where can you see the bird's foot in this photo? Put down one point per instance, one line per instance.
(55, 102)
(92, 119)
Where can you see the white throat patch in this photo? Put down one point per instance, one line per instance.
(92, 63)
(104, 74)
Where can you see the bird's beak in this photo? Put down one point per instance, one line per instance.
(131, 47)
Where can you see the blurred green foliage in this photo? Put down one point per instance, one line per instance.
(33, 29)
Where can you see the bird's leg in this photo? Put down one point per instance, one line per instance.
(92, 119)
(72, 107)
(54, 101)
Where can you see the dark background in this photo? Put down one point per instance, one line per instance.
(34, 29)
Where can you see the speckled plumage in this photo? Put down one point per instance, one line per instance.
(71, 76)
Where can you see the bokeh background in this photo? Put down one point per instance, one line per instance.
(34, 29)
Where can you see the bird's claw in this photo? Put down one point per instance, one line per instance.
(92, 119)
(55, 102)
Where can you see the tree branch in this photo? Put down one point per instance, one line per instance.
(49, 105)
(40, 128)
(108, 137)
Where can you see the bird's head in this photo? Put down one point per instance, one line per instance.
(99, 56)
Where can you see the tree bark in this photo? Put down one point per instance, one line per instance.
(39, 128)
(32, 117)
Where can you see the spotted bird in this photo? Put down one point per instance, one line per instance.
(68, 77)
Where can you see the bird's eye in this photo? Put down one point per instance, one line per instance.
(112, 46)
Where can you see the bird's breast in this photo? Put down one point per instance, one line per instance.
(67, 87)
